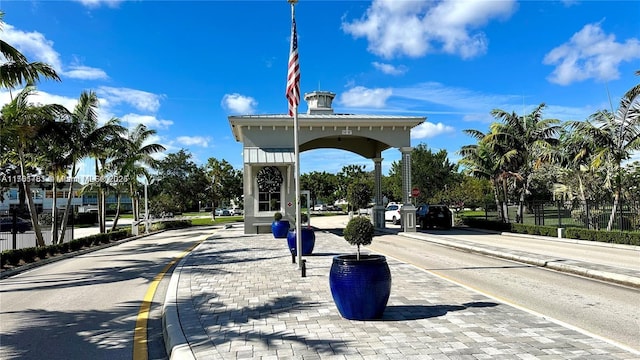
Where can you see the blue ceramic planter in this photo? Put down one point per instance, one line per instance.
(308, 241)
(360, 288)
(280, 229)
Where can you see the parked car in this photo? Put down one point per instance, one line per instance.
(320, 207)
(22, 225)
(429, 216)
(237, 211)
(392, 213)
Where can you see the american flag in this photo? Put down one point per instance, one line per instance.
(293, 73)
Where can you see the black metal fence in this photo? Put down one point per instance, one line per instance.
(16, 232)
(588, 214)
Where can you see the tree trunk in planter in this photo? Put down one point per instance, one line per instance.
(360, 288)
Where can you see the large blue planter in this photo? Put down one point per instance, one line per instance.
(280, 228)
(308, 241)
(360, 288)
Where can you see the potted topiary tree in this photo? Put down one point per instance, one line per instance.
(308, 237)
(279, 227)
(360, 284)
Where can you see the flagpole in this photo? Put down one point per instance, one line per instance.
(297, 166)
(293, 96)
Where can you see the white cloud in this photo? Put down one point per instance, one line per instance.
(36, 47)
(40, 97)
(390, 69)
(85, 72)
(194, 140)
(33, 45)
(239, 104)
(360, 96)
(428, 130)
(148, 120)
(590, 54)
(98, 3)
(140, 100)
(414, 28)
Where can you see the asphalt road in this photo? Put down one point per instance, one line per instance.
(601, 309)
(86, 307)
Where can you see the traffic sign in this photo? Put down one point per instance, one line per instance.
(415, 192)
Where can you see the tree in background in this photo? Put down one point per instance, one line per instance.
(527, 139)
(321, 185)
(224, 183)
(23, 134)
(180, 181)
(359, 194)
(430, 172)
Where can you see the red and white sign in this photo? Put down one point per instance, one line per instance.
(289, 204)
(415, 192)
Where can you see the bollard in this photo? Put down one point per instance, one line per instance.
(304, 268)
(293, 257)
(560, 233)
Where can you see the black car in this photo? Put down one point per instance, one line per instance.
(429, 216)
(22, 225)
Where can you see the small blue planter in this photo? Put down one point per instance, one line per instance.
(280, 228)
(308, 241)
(360, 288)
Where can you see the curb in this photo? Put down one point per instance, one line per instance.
(176, 344)
(577, 270)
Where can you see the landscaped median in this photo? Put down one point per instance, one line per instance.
(15, 259)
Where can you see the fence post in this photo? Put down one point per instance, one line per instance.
(559, 214)
(14, 229)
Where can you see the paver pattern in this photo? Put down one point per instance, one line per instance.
(240, 297)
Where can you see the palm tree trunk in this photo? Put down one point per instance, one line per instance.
(505, 202)
(115, 220)
(496, 198)
(54, 211)
(616, 201)
(32, 206)
(65, 217)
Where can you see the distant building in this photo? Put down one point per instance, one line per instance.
(43, 198)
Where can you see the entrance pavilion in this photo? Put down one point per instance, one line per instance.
(269, 155)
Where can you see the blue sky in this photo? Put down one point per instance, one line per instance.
(182, 67)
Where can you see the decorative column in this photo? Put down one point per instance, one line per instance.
(408, 211)
(378, 208)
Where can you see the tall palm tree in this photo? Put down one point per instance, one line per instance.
(488, 159)
(134, 160)
(18, 70)
(616, 136)
(527, 139)
(84, 133)
(22, 132)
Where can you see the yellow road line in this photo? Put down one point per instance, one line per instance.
(140, 350)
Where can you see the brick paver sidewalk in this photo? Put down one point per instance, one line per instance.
(240, 297)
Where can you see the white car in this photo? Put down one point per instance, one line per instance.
(392, 213)
(320, 207)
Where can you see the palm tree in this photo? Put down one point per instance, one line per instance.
(616, 136)
(489, 159)
(133, 160)
(526, 139)
(22, 132)
(18, 70)
(83, 135)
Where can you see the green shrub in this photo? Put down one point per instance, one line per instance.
(171, 224)
(359, 231)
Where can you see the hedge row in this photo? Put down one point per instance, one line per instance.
(27, 255)
(614, 237)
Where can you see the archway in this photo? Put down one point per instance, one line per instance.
(268, 143)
